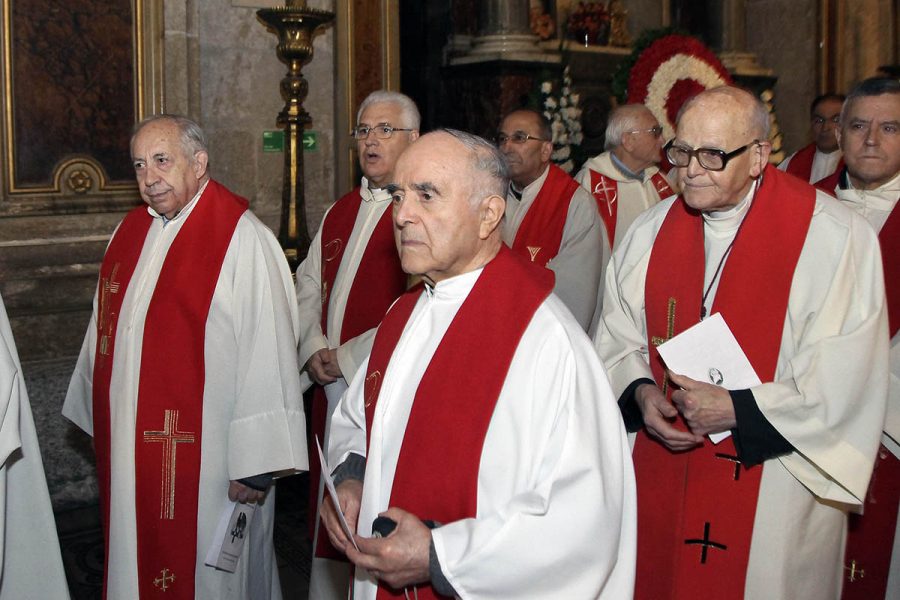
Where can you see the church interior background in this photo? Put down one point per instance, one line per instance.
(77, 75)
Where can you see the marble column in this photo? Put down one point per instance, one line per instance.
(504, 33)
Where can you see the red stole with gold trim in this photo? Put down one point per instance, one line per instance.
(377, 283)
(870, 536)
(696, 508)
(437, 470)
(170, 388)
(540, 232)
(605, 190)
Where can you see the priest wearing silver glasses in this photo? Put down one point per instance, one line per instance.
(798, 279)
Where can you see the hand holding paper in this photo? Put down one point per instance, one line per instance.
(708, 354)
(706, 408)
(336, 504)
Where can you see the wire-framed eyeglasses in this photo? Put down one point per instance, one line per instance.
(518, 137)
(711, 159)
(382, 131)
(656, 131)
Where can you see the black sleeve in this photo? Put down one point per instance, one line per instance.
(438, 581)
(755, 439)
(260, 483)
(631, 414)
(353, 467)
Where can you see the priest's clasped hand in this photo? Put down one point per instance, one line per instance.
(706, 408)
(238, 492)
(400, 559)
(659, 415)
(323, 366)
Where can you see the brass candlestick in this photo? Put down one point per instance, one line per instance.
(295, 25)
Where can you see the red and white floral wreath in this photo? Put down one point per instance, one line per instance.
(669, 72)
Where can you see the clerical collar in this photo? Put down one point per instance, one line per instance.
(534, 185)
(628, 173)
(887, 191)
(453, 288)
(722, 220)
(370, 194)
(181, 213)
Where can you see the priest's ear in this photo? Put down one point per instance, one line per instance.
(760, 158)
(490, 213)
(199, 163)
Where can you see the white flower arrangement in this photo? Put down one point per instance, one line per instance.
(565, 120)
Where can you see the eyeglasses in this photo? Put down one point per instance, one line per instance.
(382, 132)
(519, 137)
(820, 120)
(711, 159)
(656, 131)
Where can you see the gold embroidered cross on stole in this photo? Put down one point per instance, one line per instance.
(533, 251)
(670, 333)
(169, 437)
(165, 580)
(108, 286)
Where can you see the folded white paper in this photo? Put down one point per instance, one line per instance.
(233, 528)
(329, 485)
(709, 352)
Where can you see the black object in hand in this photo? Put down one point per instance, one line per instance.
(383, 526)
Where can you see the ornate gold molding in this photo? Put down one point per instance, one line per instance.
(79, 183)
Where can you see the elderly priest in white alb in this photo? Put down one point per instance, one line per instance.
(797, 278)
(870, 185)
(30, 563)
(484, 411)
(188, 378)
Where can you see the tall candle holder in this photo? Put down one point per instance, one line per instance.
(295, 25)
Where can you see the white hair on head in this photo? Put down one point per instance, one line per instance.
(409, 112)
(758, 116)
(486, 160)
(193, 139)
(622, 120)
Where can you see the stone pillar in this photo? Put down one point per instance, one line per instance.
(504, 33)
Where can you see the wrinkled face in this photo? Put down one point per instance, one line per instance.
(870, 139)
(529, 159)
(167, 177)
(721, 123)
(646, 146)
(824, 122)
(438, 229)
(377, 158)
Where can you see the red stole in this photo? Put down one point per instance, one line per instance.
(170, 389)
(696, 508)
(870, 536)
(437, 470)
(605, 190)
(540, 233)
(377, 283)
(802, 162)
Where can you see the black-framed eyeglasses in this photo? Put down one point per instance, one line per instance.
(711, 159)
(518, 137)
(656, 131)
(382, 131)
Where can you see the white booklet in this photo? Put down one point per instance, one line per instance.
(329, 485)
(709, 352)
(233, 528)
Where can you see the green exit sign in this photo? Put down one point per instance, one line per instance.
(273, 141)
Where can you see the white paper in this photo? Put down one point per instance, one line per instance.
(329, 485)
(228, 540)
(709, 352)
